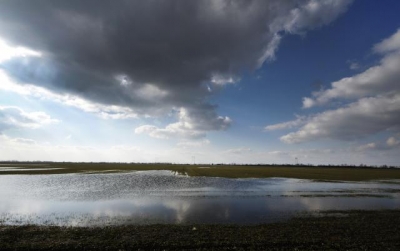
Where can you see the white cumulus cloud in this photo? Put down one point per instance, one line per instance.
(191, 124)
(376, 80)
(365, 117)
(14, 117)
(373, 104)
(301, 120)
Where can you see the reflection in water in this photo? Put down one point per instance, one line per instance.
(161, 197)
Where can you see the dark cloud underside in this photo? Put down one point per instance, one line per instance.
(150, 56)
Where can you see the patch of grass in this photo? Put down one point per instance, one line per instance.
(340, 230)
(227, 171)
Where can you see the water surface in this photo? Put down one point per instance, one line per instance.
(145, 197)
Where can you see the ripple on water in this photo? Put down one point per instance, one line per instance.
(161, 197)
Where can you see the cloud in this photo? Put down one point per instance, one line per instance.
(309, 15)
(376, 80)
(365, 117)
(390, 44)
(146, 58)
(23, 141)
(374, 104)
(354, 65)
(8, 52)
(27, 149)
(223, 80)
(13, 117)
(101, 110)
(238, 151)
(366, 147)
(125, 148)
(192, 124)
(389, 144)
(302, 155)
(392, 142)
(197, 143)
(301, 120)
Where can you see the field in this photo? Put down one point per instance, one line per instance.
(228, 171)
(354, 230)
(315, 229)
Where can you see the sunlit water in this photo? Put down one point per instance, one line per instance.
(147, 197)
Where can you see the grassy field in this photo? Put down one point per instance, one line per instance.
(353, 230)
(228, 171)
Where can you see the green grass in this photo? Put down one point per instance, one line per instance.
(345, 230)
(228, 171)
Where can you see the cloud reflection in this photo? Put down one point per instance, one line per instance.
(161, 197)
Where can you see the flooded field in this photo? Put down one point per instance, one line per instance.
(147, 197)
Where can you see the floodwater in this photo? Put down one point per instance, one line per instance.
(146, 197)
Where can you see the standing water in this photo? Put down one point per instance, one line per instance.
(146, 197)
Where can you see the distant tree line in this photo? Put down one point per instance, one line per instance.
(200, 164)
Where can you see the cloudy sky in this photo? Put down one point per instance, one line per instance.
(217, 81)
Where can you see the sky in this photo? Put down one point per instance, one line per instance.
(217, 81)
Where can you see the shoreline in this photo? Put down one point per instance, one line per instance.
(336, 230)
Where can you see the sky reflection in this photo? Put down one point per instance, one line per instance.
(161, 197)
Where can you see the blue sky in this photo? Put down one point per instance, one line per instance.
(241, 82)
